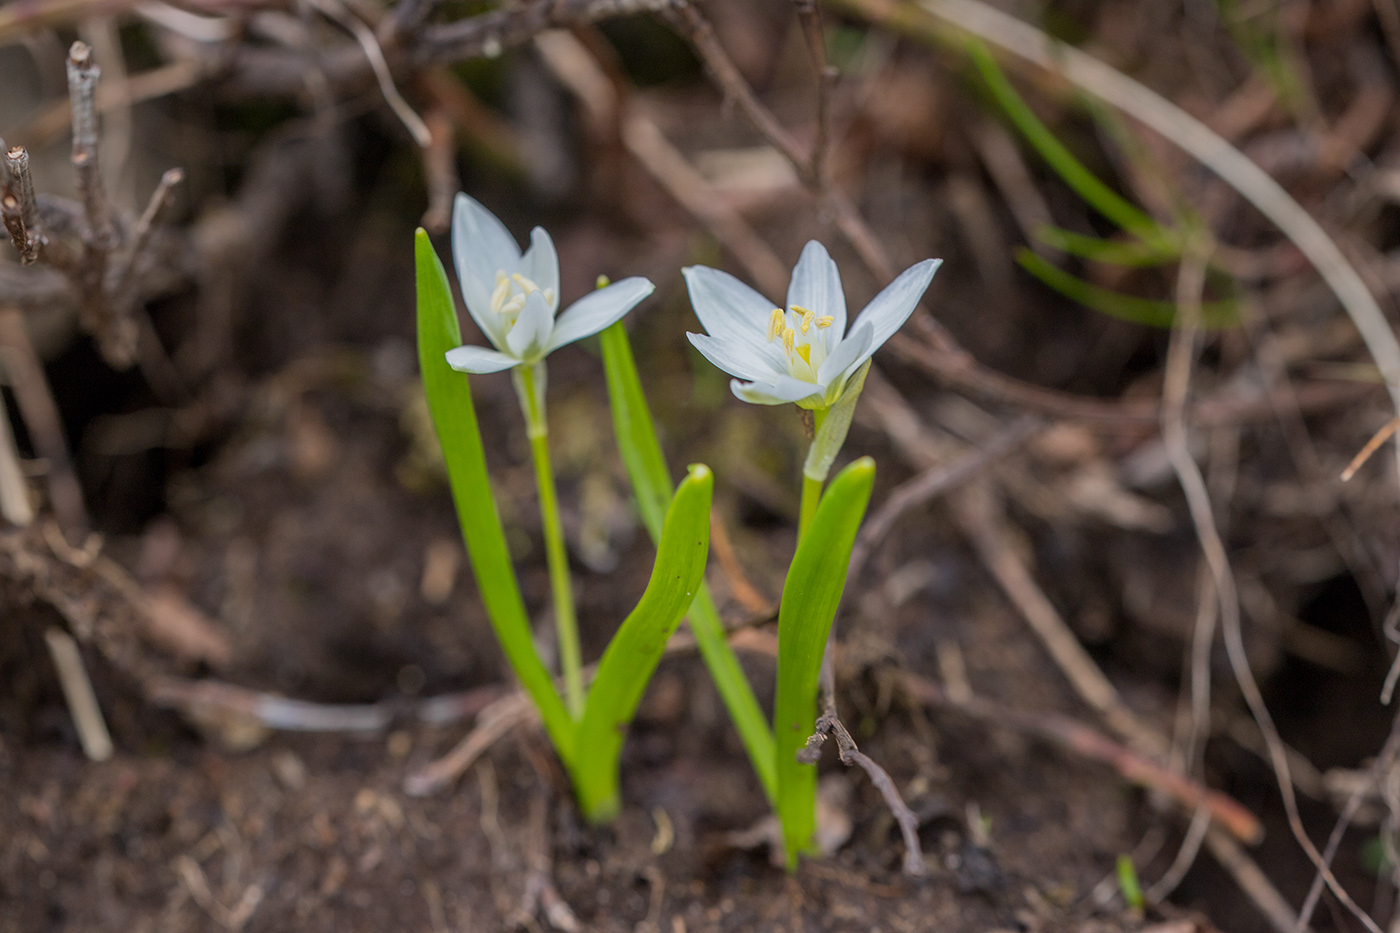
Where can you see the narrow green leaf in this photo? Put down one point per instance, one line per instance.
(1085, 183)
(1128, 883)
(636, 434)
(1131, 254)
(450, 402)
(811, 595)
(833, 427)
(1148, 311)
(635, 650)
(651, 484)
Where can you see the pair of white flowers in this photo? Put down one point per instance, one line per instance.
(801, 353)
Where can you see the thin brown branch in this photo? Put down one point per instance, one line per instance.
(83, 75)
(141, 234)
(19, 206)
(809, 15)
(828, 724)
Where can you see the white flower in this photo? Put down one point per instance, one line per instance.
(514, 299)
(802, 354)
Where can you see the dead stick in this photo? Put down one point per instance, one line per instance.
(829, 724)
(19, 206)
(41, 416)
(83, 75)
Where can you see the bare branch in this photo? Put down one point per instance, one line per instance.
(18, 205)
(828, 724)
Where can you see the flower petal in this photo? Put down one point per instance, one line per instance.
(778, 392)
(738, 358)
(726, 306)
(469, 359)
(816, 286)
(888, 310)
(481, 244)
(540, 265)
(598, 309)
(526, 340)
(478, 298)
(844, 357)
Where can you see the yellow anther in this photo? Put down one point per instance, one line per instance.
(775, 324)
(501, 292)
(799, 310)
(825, 320)
(525, 284)
(807, 318)
(789, 340)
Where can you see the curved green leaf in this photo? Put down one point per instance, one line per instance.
(1129, 253)
(1085, 183)
(635, 650)
(454, 417)
(811, 595)
(651, 484)
(1148, 311)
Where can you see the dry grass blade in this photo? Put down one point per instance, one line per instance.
(1373, 445)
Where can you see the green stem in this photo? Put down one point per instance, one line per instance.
(811, 488)
(530, 385)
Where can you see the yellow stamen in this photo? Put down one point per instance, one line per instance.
(799, 310)
(525, 284)
(789, 340)
(501, 292)
(775, 324)
(807, 318)
(825, 320)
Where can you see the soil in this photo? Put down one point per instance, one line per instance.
(292, 507)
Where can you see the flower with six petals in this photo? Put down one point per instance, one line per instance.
(514, 298)
(803, 354)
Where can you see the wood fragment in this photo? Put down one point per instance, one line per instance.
(78, 692)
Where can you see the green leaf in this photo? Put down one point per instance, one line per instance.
(832, 428)
(1085, 183)
(1148, 311)
(1128, 883)
(811, 595)
(635, 650)
(450, 402)
(1131, 254)
(651, 484)
(636, 434)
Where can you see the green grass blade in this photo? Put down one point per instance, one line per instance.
(635, 650)
(811, 595)
(636, 433)
(1084, 182)
(1148, 311)
(1132, 254)
(450, 402)
(651, 483)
